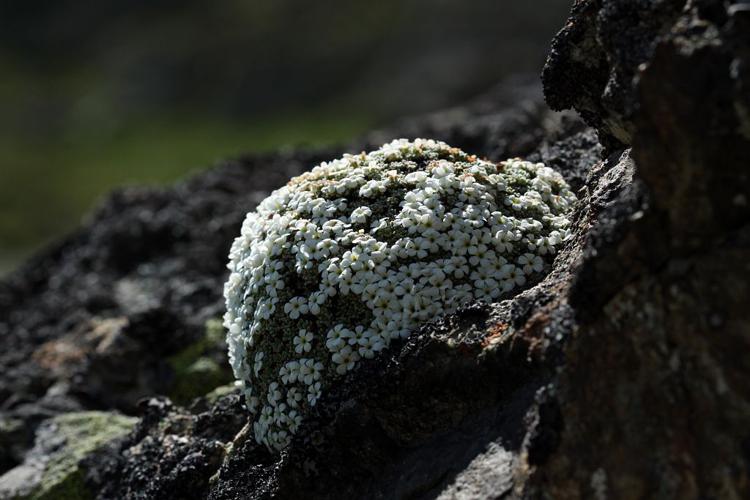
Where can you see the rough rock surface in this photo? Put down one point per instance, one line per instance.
(654, 395)
(622, 375)
(52, 470)
(406, 424)
(595, 58)
(147, 279)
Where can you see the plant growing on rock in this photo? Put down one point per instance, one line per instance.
(345, 259)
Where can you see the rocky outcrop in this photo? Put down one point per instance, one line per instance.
(654, 392)
(421, 420)
(52, 470)
(118, 310)
(113, 350)
(621, 375)
(595, 59)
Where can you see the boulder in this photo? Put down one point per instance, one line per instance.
(622, 374)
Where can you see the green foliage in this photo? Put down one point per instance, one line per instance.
(66, 175)
(196, 373)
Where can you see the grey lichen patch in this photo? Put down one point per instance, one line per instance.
(358, 252)
(53, 472)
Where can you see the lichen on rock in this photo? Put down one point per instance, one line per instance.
(52, 470)
(347, 258)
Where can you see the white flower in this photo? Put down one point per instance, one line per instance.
(303, 341)
(274, 283)
(359, 335)
(373, 188)
(504, 239)
(370, 344)
(258, 362)
(316, 300)
(274, 394)
(516, 275)
(266, 415)
(337, 337)
(294, 420)
(295, 307)
(309, 370)
(545, 245)
(279, 414)
(346, 281)
(290, 372)
(293, 397)
(345, 359)
(325, 248)
(313, 393)
(530, 263)
(360, 215)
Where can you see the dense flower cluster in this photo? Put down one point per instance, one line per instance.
(333, 267)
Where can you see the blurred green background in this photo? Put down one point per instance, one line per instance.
(99, 94)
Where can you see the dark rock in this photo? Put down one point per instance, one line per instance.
(170, 454)
(91, 323)
(428, 417)
(622, 374)
(654, 396)
(594, 60)
(52, 469)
